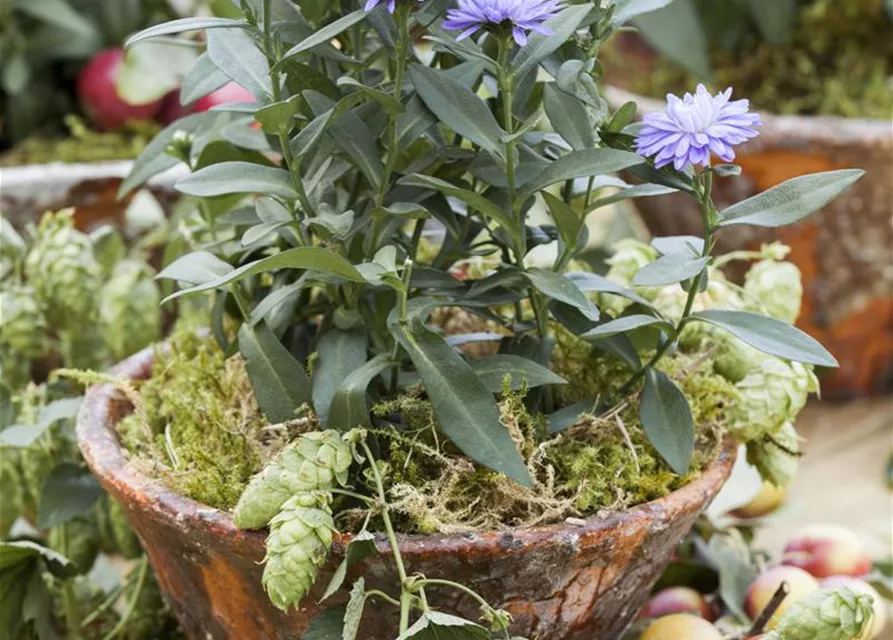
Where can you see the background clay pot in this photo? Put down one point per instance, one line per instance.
(845, 251)
(562, 582)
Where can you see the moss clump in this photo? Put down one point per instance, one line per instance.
(198, 421)
(83, 145)
(839, 62)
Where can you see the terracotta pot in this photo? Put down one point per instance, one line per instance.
(562, 582)
(845, 251)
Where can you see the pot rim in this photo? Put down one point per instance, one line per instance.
(836, 129)
(111, 463)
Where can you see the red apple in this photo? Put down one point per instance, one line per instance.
(826, 550)
(761, 590)
(171, 109)
(230, 92)
(876, 627)
(677, 600)
(99, 97)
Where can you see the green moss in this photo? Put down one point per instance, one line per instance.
(839, 63)
(198, 421)
(83, 145)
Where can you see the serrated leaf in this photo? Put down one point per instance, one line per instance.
(196, 268)
(353, 614)
(348, 408)
(340, 354)
(434, 625)
(769, 335)
(329, 625)
(279, 381)
(227, 178)
(736, 573)
(667, 420)
(185, 24)
(67, 492)
(310, 258)
(581, 164)
(362, 546)
(791, 200)
(669, 269)
(19, 551)
(466, 412)
(625, 324)
(458, 108)
(492, 371)
(561, 288)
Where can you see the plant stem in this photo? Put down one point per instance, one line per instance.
(402, 308)
(401, 16)
(419, 584)
(759, 625)
(507, 89)
(405, 594)
(383, 596)
(70, 604)
(137, 590)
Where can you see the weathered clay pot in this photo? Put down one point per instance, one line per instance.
(562, 582)
(845, 251)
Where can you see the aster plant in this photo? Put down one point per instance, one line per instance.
(389, 147)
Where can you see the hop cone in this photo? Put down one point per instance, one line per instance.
(826, 614)
(777, 289)
(23, 328)
(128, 309)
(63, 271)
(777, 459)
(734, 359)
(298, 545)
(772, 393)
(315, 461)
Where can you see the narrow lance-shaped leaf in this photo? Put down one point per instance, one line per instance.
(790, 201)
(769, 335)
(669, 269)
(667, 420)
(340, 354)
(493, 370)
(279, 381)
(558, 287)
(238, 177)
(237, 55)
(581, 164)
(185, 24)
(466, 412)
(327, 33)
(67, 492)
(540, 45)
(625, 324)
(348, 408)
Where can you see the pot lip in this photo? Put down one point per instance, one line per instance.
(111, 463)
(833, 128)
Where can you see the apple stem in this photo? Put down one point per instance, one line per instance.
(759, 625)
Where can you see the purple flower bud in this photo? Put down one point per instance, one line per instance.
(696, 126)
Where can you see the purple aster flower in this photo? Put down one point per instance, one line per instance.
(521, 15)
(694, 127)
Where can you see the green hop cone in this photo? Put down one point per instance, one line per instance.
(125, 539)
(826, 614)
(23, 329)
(315, 461)
(775, 288)
(776, 458)
(63, 271)
(298, 545)
(772, 393)
(734, 359)
(129, 309)
(77, 540)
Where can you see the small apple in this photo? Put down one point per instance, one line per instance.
(876, 627)
(761, 590)
(766, 500)
(677, 600)
(826, 550)
(230, 92)
(681, 626)
(98, 94)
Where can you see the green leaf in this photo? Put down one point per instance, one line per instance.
(22, 551)
(362, 546)
(203, 79)
(736, 573)
(587, 282)
(492, 371)
(626, 10)
(676, 32)
(329, 625)
(667, 420)
(569, 117)
(408, 210)
(434, 625)
(691, 246)
(458, 108)
(627, 193)
(581, 164)
(348, 409)
(238, 177)
(278, 116)
(59, 13)
(559, 287)
(625, 324)
(194, 268)
(791, 200)
(384, 99)
(327, 33)
(67, 492)
(669, 269)
(769, 336)
(185, 24)
(775, 19)
(568, 222)
(353, 614)
(474, 200)
(340, 354)
(466, 412)
(568, 416)
(540, 46)
(279, 381)
(236, 54)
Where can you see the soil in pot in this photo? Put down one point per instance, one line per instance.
(197, 430)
